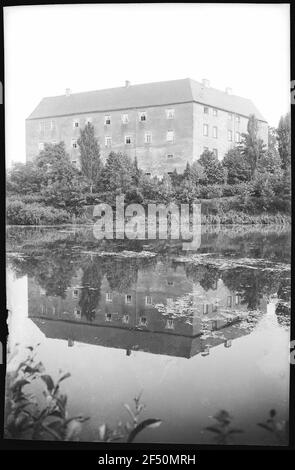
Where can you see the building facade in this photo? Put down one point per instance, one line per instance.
(164, 125)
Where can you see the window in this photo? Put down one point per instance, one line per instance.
(76, 293)
(148, 137)
(53, 310)
(227, 343)
(215, 112)
(128, 139)
(88, 120)
(206, 149)
(125, 118)
(148, 300)
(230, 136)
(170, 283)
(108, 317)
(214, 307)
(74, 144)
(170, 136)
(238, 119)
(170, 324)
(107, 141)
(41, 146)
(237, 299)
(125, 319)
(74, 163)
(206, 110)
(170, 113)
(76, 123)
(52, 125)
(238, 137)
(128, 299)
(170, 155)
(215, 151)
(107, 120)
(109, 297)
(230, 116)
(142, 321)
(215, 132)
(205, 129)
(229, 301)
(77, 313)
(169, 173)
(205, 309)
(148, 174)
(142, 116)
(214, 325)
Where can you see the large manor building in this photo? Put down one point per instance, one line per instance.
(163, 124)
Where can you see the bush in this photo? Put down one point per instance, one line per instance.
(19, 213)
(209, 191)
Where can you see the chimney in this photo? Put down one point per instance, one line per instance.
(228, 90)
(205, 82)
(68, 91)
(127, 84)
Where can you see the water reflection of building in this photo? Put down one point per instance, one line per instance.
(162, 312)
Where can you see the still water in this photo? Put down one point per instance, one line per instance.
(194, 332)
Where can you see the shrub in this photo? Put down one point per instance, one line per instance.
(19, 213)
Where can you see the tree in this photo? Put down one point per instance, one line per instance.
(213, 170)
(252, 146)
(284, 140)
(24, 178)
(89, 154)
(238, 169)
(117, 174)
(63, 185)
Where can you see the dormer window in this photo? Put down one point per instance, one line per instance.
(107, 120)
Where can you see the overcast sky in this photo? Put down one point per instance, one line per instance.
(89, 47)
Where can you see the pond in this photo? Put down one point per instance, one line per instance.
(193, 332)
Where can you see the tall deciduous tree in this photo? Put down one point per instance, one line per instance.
(284, 140)
(252, 147)
(213, 170)
(117, 173)
(238, 169)
(89, 154)
(63, 185)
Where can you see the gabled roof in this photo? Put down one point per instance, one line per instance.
(142, 96)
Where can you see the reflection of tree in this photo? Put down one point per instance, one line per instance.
(122, 273)
(283, 309)
(91, 284)
(52, 270)
(252, 284)
(206, 275)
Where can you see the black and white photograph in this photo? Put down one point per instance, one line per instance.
(148, 225)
